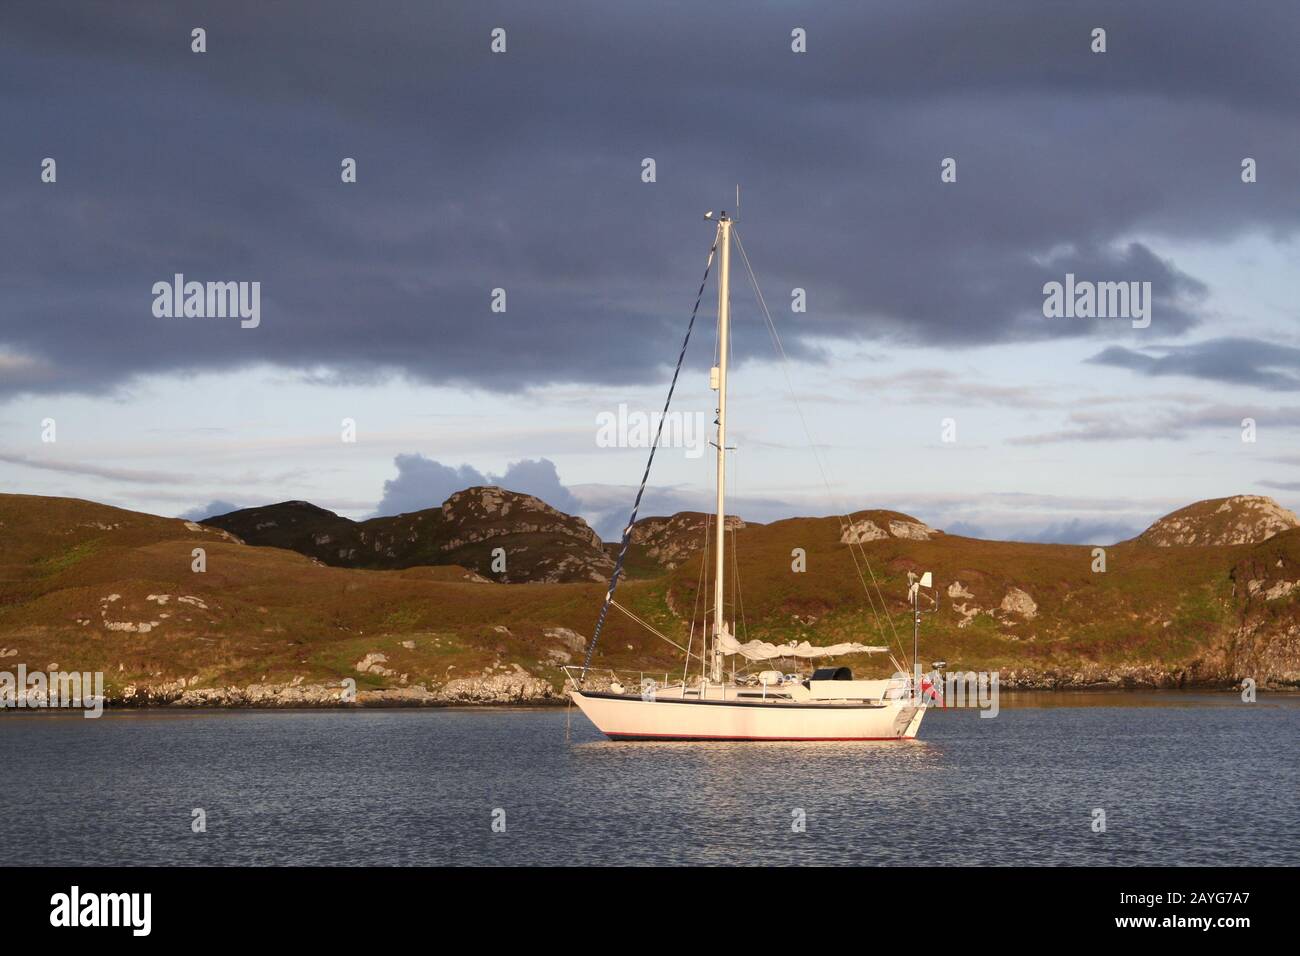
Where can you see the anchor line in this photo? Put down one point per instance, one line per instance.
(636, 506)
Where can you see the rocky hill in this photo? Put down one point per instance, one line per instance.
(542, 545)
(1241, 519)
(670, 541)
(175, 611)
(88, 587)
(537, 543)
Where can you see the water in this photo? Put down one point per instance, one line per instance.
(1183, 779)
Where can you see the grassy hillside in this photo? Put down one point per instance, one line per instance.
(1172, 609)
(90, 587)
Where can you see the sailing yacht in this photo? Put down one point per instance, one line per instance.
(828, 705)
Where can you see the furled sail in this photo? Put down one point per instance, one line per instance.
(757, 650)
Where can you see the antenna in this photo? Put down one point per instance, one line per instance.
(916, 588)
(737, 200)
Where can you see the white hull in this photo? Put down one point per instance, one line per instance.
(632, 718)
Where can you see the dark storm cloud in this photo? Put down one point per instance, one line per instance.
(1237, 361)
(522, 170)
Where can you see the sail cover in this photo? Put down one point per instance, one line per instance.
(757, 650)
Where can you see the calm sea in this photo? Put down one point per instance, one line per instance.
(1181, 778)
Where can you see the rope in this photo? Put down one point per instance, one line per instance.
(695, 607)
(636, 506)
(649, 627)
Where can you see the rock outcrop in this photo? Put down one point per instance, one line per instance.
(669, 541)
(514, 685)
(1019, 602)
(866, 529)
(1241, 519)
(860, 532)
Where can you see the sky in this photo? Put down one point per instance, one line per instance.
(923, 374)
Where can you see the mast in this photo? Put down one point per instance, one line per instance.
(724, 328)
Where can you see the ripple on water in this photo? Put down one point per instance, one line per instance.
(1183, 779)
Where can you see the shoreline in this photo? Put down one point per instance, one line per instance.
(381, 700)
(519, 688)
(1012, 700)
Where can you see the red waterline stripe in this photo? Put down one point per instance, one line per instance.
(616, 736)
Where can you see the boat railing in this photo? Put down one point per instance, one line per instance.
(580, 676)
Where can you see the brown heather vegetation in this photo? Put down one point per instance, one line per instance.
(90, 587)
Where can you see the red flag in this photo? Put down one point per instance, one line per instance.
(928, 689)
